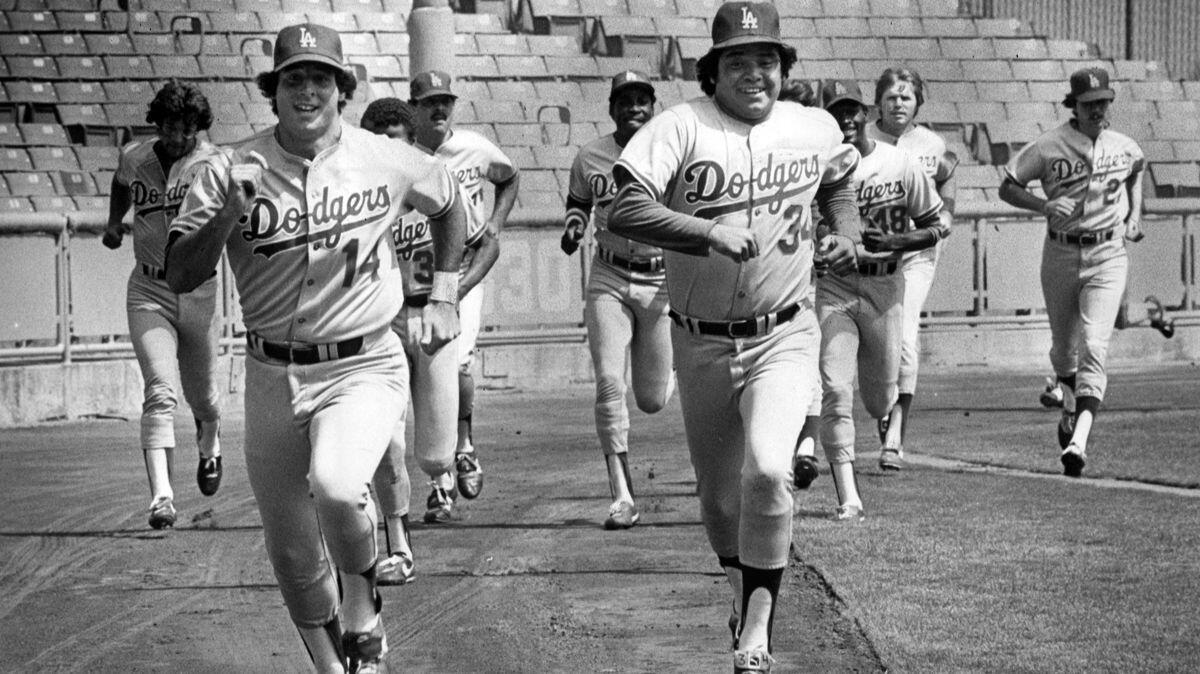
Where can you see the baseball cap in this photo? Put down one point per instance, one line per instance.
(630, 78)
(740, 23)
(308, 42)
(836, 91)
(429, 83)
(1089, 84)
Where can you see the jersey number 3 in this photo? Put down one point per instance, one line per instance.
(796, 231)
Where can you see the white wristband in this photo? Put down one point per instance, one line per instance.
(445, 287)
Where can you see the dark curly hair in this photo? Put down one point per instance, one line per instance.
(797, 91)
(347, 83)
(182, 101)
(387, 111)
(893, 75)
(706, 67)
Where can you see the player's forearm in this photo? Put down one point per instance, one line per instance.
(948, 191)
(1135, 197)
(119, 202)
(482, 263)
(839, 207)
(192, 257)
(637, 215)
(506, 198)
(1015, 195)
(449, 233)
(918, 239)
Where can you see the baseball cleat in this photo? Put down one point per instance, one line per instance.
(1073, 460)
(162, 513)
(365, 650)
(395, 569)
(1066, 429)
(849, 513)
(621, 515)
(753, 661)
(1158, 317)
(1052, 395)
(438, 506)
(470, 474)
(804, 471)
(208, 475)
(891, 458)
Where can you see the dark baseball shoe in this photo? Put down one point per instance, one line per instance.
(891, 458)
(162, 513)
(1052, 395)
(208, 475)
(365, 650)
(621, 515)
(470, 475)
(1066, 429)
(395, 569)
(438, 506)
(804, 471)
(1073, 460)
(754, 661)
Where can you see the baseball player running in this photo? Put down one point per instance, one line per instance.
(724, 183)
(626, 307)
(861, 313)
(305, 210)
(899, 95)
(166, 327)
(1092, 178)
(474, 160)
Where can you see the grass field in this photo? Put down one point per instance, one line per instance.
(958, 569)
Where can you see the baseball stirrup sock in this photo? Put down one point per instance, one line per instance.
(768, 579)
(623, 459)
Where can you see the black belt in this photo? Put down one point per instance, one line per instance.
(876, 268)
(644, 266)
(305, 354)
(416, 301)
(153, 272)
(750, 327)
(1085, 239)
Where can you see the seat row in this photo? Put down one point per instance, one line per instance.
(228, 22)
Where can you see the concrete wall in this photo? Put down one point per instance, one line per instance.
(32, 394)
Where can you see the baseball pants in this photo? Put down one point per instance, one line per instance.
(314, 437)
(470, 322)
(627, 323)
(170, 331)
(1082, 286)
(433, 382)
(861, 320)
(738, 398)
(918, 269)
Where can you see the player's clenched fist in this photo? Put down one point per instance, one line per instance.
(439, 325)
(244, 181)
(573, 233)
(736, 243)
(834, 253)
(1060, 207)
(1134, 231)
(113, 234)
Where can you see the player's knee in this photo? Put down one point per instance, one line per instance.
(158, 398)
(761, 488)
(466, 394)
(609, 388)
(436, 466)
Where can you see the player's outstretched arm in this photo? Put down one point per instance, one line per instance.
(1133, 221)
(119, 202)
(192, 256)
(1017, 195)
(574, 224)
(485, 257)
(440, 324)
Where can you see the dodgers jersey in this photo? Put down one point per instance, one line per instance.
(592, 183)
(156, 197)
(414, 250)
(699, 161)
(924, 145)
(1069, 163)
(473, 160)
(314, 260)
(893, 191)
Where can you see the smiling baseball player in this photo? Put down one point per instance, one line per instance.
(167, 328)
(724, 183)
(861, 313)
(305, 210)
(899, 94)
(626, 308)
(473, 160)
(1092, 178)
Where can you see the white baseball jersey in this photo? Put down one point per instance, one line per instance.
(893, 192)
(592, 183)
(923, 145)
(414, 250)
(156, 197)
(699, 161)
(473, 159)
(315, 260)
(1094, 174)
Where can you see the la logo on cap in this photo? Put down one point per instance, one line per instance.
(749, 21)
(839, 89)
(434, 80)
(631, 76)
(1093, 81)
(307, 41)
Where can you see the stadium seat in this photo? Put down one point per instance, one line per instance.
(82, 22)
(53, 159)
(654, 8)
(26, 44)
(98, 159)
(557, 90)
(15, 159)
(897, 27)
(74, 182)
(507, 90)
(559, 157)
(841, 26)
(224, 134)
(32, 22)
(477, 66)
(31, 92)
(223, 67)
(502, 44)
(235, 22)
(30, 184)
(89, 113)
(108, 43)
(43, 134)
(140, 22)
(343, 22)
(64, 43)
(478, 23)
(32, 67)
(553, 17)
(522, 158)
(81, 67)
(357, 6)
(526, 67)
(1022, 48)
(903, 49)
(553, 45)
(574, 67)
(53, 204)
(10, 204)
(1175, 179)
